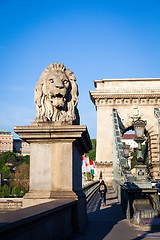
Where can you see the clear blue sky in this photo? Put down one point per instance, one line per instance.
(95, 39)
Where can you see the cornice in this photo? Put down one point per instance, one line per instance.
(105, 96)
(125, 96)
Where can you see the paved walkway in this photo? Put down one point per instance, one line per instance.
(107, 222)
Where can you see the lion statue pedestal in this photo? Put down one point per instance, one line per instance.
(57, 141)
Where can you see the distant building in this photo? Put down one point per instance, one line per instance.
(129, 140)
(6, 141)
(25, 148)
(21, 147)
(17, 145)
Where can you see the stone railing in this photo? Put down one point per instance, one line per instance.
(57, 219)
(10, 203)
(133, 199)
(122, 196)
(90, 189)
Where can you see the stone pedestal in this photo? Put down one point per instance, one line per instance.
(55, 161)
(141, 177)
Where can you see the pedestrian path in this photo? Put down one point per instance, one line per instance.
(107, 222)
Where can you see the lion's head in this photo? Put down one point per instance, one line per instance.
(56, 95)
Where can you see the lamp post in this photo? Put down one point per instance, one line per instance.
(126, 155)
(126, 150)
(139, 127)
(141, 170)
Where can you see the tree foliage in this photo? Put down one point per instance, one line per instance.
(92, 153)
(134, 159)
(22, 176)
(5, 190)
(6, 172)
(16, 191)
(15, 171)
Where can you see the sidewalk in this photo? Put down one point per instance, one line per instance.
(108, 222)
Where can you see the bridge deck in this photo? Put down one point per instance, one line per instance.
(107, 222)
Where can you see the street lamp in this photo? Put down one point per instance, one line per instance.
(141, 170)
(139, 126)
(126, 155)
(126, 150)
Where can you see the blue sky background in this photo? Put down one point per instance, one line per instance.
(95, 39)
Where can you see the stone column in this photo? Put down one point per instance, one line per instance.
(104, 148)
(55, 161)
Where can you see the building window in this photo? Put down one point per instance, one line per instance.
(2, 147)
(10, 147)
(6, 147)
(6, 138)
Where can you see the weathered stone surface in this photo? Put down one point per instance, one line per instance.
(56, 95)
(134, 99)
(55, 160)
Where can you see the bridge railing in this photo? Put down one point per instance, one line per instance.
(89, 189)
(57, 219)
(119, 161)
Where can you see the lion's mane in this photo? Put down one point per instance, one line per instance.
(44, 107)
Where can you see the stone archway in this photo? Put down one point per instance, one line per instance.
(134, 99)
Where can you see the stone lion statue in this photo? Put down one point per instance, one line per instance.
(56, 95)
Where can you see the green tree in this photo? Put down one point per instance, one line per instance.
(24, 159)
(7, 157)
(134, 159)
(5, 191)
(6, 173)
(12, 159)
(92, 153)
(2, 161)
(21, 176)
(23, 191)
(15, 191)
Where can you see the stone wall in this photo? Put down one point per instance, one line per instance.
(52, 220)
(10, 203)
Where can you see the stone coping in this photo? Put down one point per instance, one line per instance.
(124, 79)
(29, 214)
